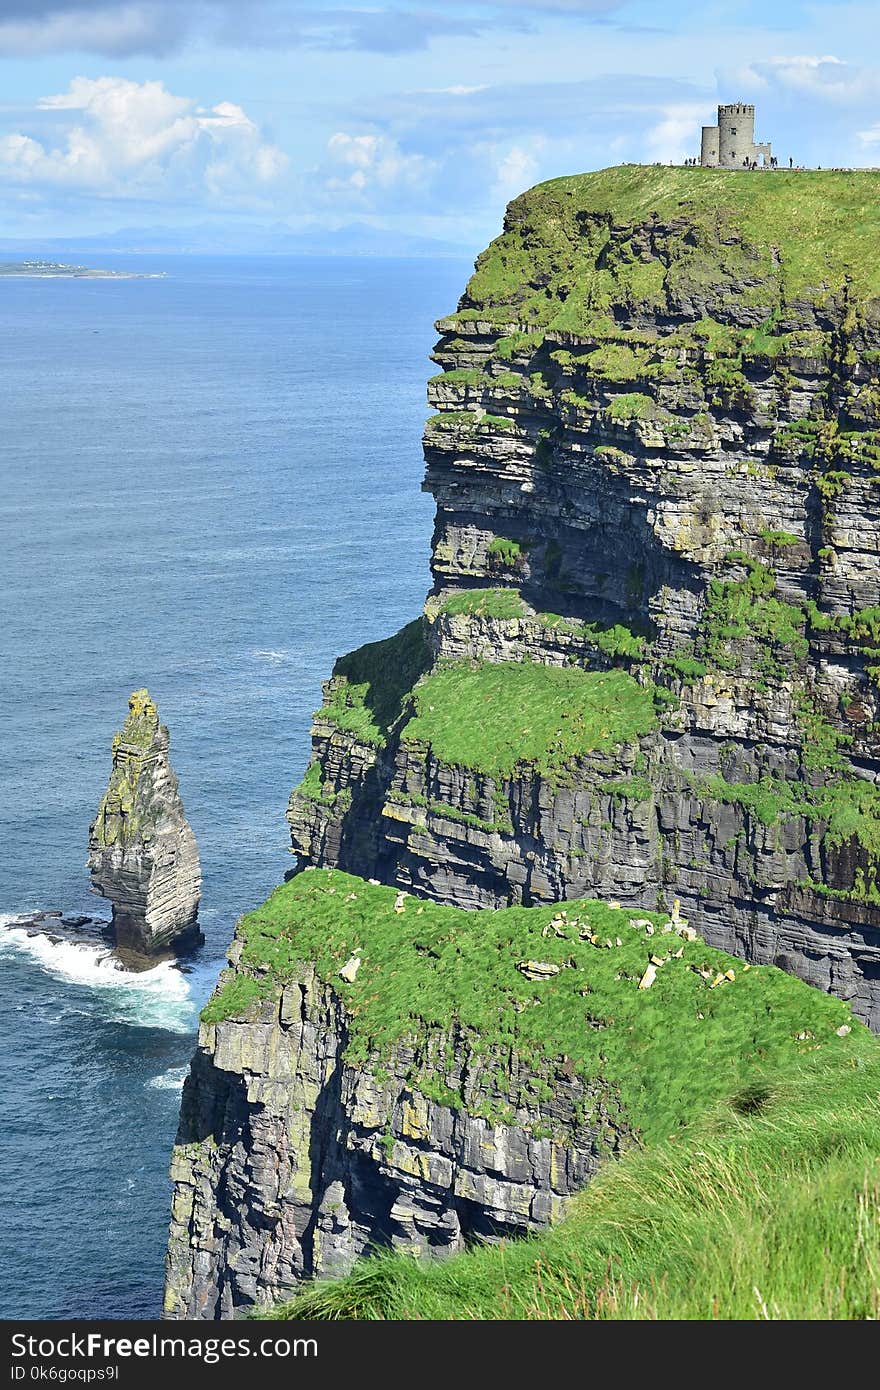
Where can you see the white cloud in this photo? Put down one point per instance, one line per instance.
(127, 139)
(804, 62)
(126, 27)
(517, 170)
(676, 135)
(820, 76)
(459, 90)
(362, 163)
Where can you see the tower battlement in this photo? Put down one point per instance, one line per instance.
(736, 108)
(731, 143)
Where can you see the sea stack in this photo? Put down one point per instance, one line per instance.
(142, 851)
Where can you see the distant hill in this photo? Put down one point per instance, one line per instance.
(355, 239)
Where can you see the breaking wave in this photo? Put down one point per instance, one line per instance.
(170, 1080)
(167, 996)
(274, 658)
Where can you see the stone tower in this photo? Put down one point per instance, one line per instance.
(709, 147)
(731, 143)
(142, 851)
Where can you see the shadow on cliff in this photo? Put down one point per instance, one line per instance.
(213, 1105)
(368, 1194)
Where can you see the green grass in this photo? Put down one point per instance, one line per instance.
(237, 995)
(746, 611)
(801, 438)
(757, 1191)
(518, 344)
(848, 807)
(452, 420)
(431, 965)
(485, 603)
(494, 717)
(468, 420)
(614, 639)
(740, 610)
(780, 540)
(487, 827)
(141, 722)
(126, 793)
(861, 627)
(629, 789)
(497, 422)
(768, 1208)
(786, 236)
(312, 787)
(488, 717)
(370, 685)
(458, 376)
(620, 362)
(685, 665)
(504, 550)
(635, 405)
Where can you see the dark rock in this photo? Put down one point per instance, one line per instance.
(291, 1162)
(624, 499)
(142, 851)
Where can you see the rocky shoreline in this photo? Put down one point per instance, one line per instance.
(58, 928)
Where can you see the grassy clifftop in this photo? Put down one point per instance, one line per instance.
(483, 716)
(765, 1209)
(425, 966)
(634, 294)
(578, 246)
(757, 1191)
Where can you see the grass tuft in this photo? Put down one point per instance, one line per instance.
(485, 603)
(493, 716)
(369, 686)
(771, 1213)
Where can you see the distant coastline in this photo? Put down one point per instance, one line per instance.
(58, 270)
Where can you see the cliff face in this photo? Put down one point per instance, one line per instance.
(291, 1161)
(142, 851)
(655, 450)
(376, 1070)
(647, 671)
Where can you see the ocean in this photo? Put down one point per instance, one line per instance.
(210, 487)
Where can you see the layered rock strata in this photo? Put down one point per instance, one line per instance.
(291, 1161)
(648, 670)
(142, 851)
(656, 448)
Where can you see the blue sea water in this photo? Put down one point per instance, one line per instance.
(210, 486)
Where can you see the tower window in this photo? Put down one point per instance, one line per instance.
(733, 130)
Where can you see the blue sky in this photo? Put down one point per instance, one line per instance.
(417, 115)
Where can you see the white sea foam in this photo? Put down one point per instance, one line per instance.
(170, 1080)
(273, 657)
(163, 997)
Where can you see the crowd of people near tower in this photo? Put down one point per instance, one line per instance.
(773, 163)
